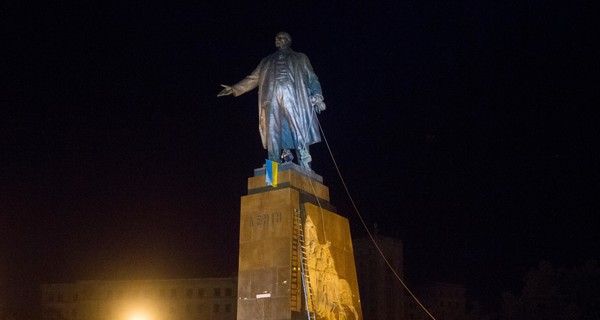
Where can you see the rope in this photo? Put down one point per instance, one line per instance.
(301, 251)
(307, 170)
(365, 225)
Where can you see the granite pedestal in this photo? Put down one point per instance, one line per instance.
(279, 228)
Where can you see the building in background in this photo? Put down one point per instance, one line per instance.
(443, 300)
(170, 299)
(382, 296)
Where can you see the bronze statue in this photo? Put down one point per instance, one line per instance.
(289, 96)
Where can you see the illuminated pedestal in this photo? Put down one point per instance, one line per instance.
(270, 284)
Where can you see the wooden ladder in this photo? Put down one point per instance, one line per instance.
(305, 274)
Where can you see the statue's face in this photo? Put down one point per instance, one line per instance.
(282, 40)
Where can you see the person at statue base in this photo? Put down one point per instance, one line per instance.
(289, 98)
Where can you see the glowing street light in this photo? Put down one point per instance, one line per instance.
(139, 316)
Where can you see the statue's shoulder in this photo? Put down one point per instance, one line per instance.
(301, 54)
(298, 56)
(270, 57)
(267, 58)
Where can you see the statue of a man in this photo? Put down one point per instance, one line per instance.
(289, 95)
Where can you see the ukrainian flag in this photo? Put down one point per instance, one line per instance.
(271, 172)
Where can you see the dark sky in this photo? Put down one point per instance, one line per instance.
(462, 128)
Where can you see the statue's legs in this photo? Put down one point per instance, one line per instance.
(283, 128)
(273, 154)
(281, 131)
(290, 126)
(274, 130)
(305, 158)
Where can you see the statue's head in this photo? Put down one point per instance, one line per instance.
(283, 40)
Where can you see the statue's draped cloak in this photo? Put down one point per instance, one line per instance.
(300, 127)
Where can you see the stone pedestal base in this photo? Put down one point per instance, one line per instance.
(281, 227)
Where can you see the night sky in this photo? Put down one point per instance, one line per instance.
(462, 128)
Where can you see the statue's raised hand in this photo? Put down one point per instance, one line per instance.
(227, 90)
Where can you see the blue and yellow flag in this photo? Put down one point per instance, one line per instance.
(271, 172)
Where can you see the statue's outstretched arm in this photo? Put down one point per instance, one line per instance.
(227, 90)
